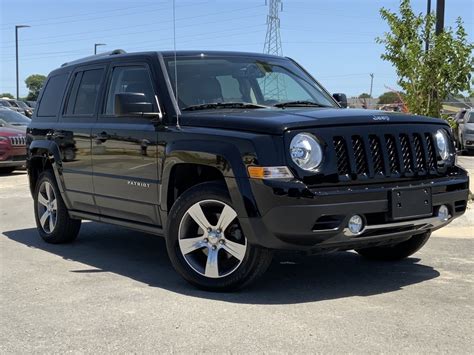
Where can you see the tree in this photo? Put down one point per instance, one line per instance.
(389, 97)
(365, 96)
(427, 77)
(7, 94)
(34, 83)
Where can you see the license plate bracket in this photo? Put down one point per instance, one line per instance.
(409, 203)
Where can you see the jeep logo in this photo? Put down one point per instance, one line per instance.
(138, 183)
(381, 118)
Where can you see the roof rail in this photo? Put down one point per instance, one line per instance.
(103, 54)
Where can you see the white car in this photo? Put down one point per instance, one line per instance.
(466, 131)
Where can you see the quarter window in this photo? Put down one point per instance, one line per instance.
(52, 96)
(129, 79)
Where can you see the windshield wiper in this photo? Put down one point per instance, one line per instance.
(300, 103)
(218, 105)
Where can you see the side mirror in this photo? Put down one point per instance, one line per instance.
(133, 104)
(341, 99)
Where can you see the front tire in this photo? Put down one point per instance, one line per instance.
(206, 244)
(398, 251)
(52, 219)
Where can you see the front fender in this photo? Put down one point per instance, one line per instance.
(224, 157)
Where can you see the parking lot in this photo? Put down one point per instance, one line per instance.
(114, 290)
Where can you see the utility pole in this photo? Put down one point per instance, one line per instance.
(371, 83)
(97, 45)
(440, 16)
(274, 86)
(16, 51)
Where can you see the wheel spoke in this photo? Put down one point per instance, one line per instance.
(44, 218)
(48, 191)
(54, 205)
(189, 245)
(42, 200)
(235, 249)
(227, 216)
(212, 267)
(52, 222)
(198, 216)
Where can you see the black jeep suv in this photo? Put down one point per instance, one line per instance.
(233, 155)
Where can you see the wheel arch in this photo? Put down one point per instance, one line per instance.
(43, 155)
(219, 161)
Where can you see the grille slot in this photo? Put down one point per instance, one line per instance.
(419, 154)
(431, 152)
(385, 155)
(362, 167)
(377, 156)
(392, 155)
(340, 148)
(406, 153)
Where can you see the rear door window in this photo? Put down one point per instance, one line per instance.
(52, 96)
(87, 85)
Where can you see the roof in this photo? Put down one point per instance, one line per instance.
(185, 53)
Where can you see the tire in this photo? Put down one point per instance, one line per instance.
(6, 171)
(52, 219)
(398, 251)
(237, 263)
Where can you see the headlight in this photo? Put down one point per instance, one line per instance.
(306, 152)
(442, 142)
(3, 139)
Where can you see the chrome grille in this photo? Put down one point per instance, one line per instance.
(18, 140)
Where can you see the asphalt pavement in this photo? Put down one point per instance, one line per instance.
(114, 290)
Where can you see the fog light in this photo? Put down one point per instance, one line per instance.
(355, 224)
(443, 213)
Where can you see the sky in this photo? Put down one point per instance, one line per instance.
(334, 40)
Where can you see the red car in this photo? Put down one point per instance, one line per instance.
(12, 149)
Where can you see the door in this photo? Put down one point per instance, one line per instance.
(72, 134)
(125, 151)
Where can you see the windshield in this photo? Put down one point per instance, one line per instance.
(14, 118)
(471, 117)
(239, 79)
(5, 103)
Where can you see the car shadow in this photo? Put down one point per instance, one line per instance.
(290, 279)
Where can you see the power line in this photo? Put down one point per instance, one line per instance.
(39, 43)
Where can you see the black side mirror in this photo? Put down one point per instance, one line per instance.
(341, 99)
(133, 104)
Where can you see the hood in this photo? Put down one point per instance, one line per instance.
(277, 121)
(11, 132)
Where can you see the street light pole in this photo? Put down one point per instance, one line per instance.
(16, 51)
(371, 83)
(439, 16)
(97, 45)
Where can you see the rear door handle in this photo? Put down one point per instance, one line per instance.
(102, 137)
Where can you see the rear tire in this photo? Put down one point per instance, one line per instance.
(52, 219)
(205, 242)
(398, 251)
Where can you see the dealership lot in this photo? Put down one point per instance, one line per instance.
(115, 290)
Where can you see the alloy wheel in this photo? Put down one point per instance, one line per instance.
(47, 207)
(211, 240)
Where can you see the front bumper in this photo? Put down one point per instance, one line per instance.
(295, 217)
